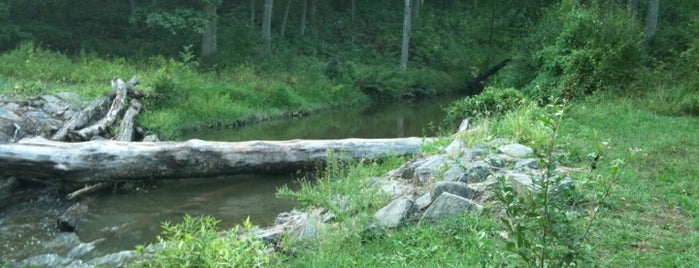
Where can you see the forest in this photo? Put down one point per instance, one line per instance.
(623, 74)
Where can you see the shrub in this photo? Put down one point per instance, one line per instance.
(492, 102)
(197, 243)
(583, 48)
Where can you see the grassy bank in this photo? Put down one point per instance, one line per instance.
(185, 97)
(650, 219)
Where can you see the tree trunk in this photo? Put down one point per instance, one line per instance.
(97, 161)
(651, 21)
(95, 109)
(354, 9)
(121, 89)
(208, 39)
(415, 15)
(633, 7)
(267, 26)
(252, 13)
(304, 12)
(407, 21)
(286, 17)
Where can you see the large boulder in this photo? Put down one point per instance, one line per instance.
(452, 187)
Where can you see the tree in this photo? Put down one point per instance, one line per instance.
(267, 26)
(304, 12)
(407, 23)
(651, 21)
(286, 17)
(209, 49)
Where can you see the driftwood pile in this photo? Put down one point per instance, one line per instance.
(103, 113)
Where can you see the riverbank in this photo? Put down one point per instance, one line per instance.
(650, 217)
(182, 97)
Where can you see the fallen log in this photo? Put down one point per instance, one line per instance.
(126, 129)
(121, 89)
(96, 108)
(97, 161)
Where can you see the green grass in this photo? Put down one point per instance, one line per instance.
(652, 218)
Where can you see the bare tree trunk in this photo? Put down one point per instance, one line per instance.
(651, 22)
(415, 14)
(286, 17)
(209, 49)
(304, 12)
(97, 161)
(354, 8)
(633, 7)
(267, 26)
(252, 13)
(407, 21)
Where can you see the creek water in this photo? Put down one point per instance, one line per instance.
(120, 221)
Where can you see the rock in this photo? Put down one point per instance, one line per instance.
(423, 201)
(7, 185)
(453, 173)
(454, 148)
(8, 115)
(392, 187)
(113, 260)
(475, 172)
(429, 169)
(448, 205)
(83, 248)
(452, 187)
(68, 221)
(529, 163)
(395, 213)
(463, 126)
(151, 138)
(516, 150)
(521, 183)
(472, 153)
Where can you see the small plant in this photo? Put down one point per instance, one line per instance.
(196, 243)
(547, 226)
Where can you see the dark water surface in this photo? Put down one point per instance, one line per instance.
(121, 221)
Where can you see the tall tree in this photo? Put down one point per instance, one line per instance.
(633, 7)
(304, 12)
(407, 23)
(252, 13)
(651, 21)
(267, 26)
(286, 17)
(209, 48)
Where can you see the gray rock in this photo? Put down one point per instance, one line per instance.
(8, 115)
(452, 187)
(453, 173)
(472, 153)
(529, 163)
(454, 148)
(395, 213)
(476, 172)
(423, 201)
(516, 150)
(429, 169)
(448, 205)
(113, 260)
(521, 183)
(151, 138)
(83, 249)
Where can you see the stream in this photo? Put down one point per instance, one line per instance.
(120, 221)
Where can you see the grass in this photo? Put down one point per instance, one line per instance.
(185, 97)
(650, 219)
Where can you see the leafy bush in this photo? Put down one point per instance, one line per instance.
(582, 48)
(492, 102)
(197, 243)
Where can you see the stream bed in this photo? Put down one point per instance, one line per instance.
(120, 221)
